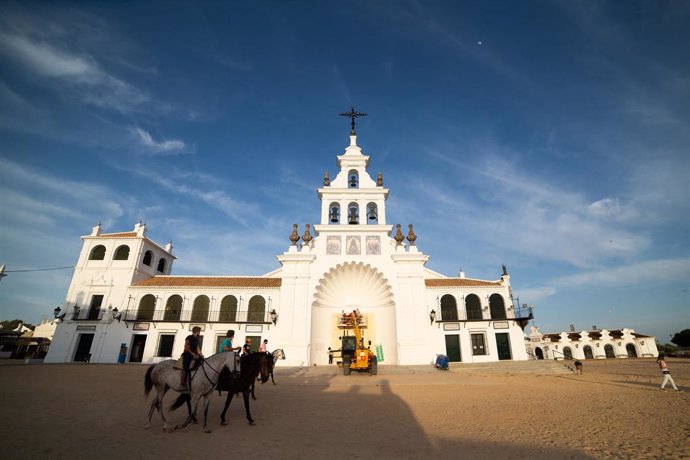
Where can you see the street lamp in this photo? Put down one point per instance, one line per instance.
(117, 315)
(57, 311)
(432, 316)
(274, 316)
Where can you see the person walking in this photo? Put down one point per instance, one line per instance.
(330, 356)
(661, 361)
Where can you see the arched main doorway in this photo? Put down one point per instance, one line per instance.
(344, 288)
(630, 349)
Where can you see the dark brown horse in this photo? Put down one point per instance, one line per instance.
(250, 367)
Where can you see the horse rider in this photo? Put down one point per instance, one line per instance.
(226, 344)
(190, 353)
(262, 347)
(247, 347)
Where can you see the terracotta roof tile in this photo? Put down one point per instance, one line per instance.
(458, 282)
(210, 281)
(118, 235)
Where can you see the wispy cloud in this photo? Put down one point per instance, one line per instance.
(652, 271)
(95, 86)
(167, 147)
(518, 211)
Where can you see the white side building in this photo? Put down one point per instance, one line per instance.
(594, 344)
(123, 296)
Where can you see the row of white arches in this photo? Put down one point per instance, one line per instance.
(473, 308)
(122, 253)
(587, 350)
(200, 312)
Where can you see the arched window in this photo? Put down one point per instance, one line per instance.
(449, 308)
(228, 309)
(97, 253)
(200, 309)
(588, 352)
(148, 255)
(161, 266)
(257, 309)
(334, 213)
(497, 307)
(353, 179)
(173, 308)
(630, 348)
(567, 353)
(473, 307)
(147, 305)
(372, 213)
(608, 349)
(122, 253)
(352, 213)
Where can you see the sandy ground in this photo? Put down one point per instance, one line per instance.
(614, 410)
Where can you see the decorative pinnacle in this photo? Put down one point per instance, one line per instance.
(352, 114)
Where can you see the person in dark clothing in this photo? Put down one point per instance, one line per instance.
(190, 353)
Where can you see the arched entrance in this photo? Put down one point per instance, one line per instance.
(344, 288)
(588, 352)
(608, 349)
(539, 353)
(630, 348)
(567, 353)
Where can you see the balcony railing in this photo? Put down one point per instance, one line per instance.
(86, 314)
(192, 316)
(524, 313)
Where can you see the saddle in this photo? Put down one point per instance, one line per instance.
(179, 366)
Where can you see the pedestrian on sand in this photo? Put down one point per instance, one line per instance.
(661, 361)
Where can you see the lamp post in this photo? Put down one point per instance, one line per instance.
(432, 316)
(57, 311)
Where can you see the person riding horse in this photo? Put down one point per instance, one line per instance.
(191, 352)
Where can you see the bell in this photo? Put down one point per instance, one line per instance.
(334, 215)
(353, 181)
(372, 214)
(352, 217)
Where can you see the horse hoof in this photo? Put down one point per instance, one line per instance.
(252, 422)
(223, 422)
(147, 426)
(206, 430)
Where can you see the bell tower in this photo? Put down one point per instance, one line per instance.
(353, 197)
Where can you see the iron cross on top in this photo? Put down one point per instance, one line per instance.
(352, 113)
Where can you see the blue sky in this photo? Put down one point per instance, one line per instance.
(549, 136)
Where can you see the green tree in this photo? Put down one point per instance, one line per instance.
(11, 325)
(682, 338)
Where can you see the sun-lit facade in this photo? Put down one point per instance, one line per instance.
(123, 303)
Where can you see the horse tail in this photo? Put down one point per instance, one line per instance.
(148, 382)
(181, 399)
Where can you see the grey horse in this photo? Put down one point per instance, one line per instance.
(203, 380)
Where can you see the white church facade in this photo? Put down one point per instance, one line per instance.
(124, 304)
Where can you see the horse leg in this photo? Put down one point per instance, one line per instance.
(245, 393)
(252, 390)
(189, 410)
(225, 409)
(207, 400)
(191, 416)
(272, 379)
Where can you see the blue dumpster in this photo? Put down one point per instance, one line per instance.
(442, 362)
